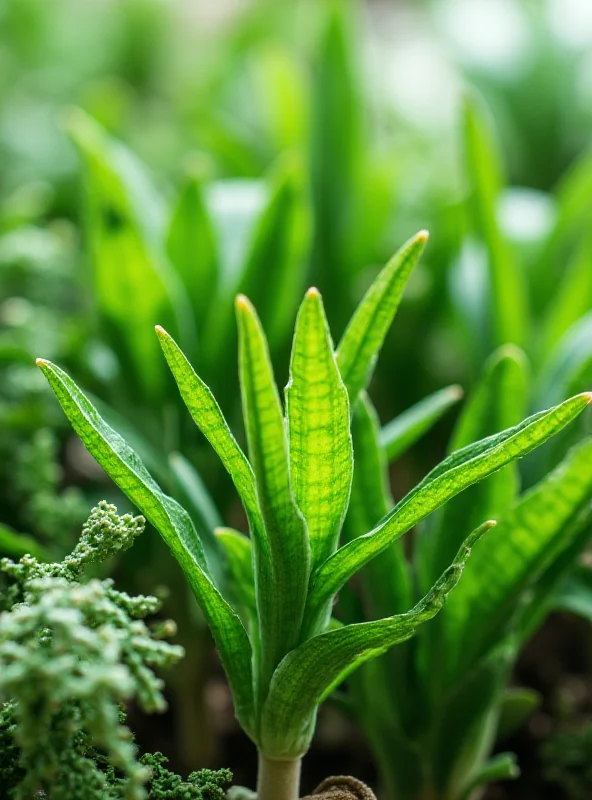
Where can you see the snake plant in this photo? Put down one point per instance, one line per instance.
(282, 650)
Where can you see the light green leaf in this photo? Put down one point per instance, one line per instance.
(239, 563)
(498, 402)
(403, 431)
(455, 473)
(363, 337)
(279, 250)
(208, 417)
(134, 286)
(192, 248)
(313, 670)
(277, 246)
(507, 291)
(527, 541)
(174, 525)
(320, 447)
(571, 299)
(284, 525)
(386, 579)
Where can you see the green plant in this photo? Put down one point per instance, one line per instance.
(281, 651)
(71, 652)
(432, 708)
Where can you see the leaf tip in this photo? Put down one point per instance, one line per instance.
(313, 293)
(160, 330)
(242, 303)
(40, 362)
(423, 236)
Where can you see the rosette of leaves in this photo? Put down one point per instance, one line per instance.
(281, 650)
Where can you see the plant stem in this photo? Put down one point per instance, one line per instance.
(278, 779)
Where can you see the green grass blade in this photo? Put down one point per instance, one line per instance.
(364, 335)
(284, 525)
(320, 447)
(313, 670)
(174, 525)
(526, 542)
(191, 246)
(498, 402)
(238, 558)
(403, 431)
(507, 291)
(457, 472)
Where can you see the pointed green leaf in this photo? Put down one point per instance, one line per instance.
(507, 292)
(208, 417)
(313, 670)
(284, 525)
(134, 286)
(317, 410)
(403, 431)
(386, 579)
(498, 402)
(502, 767)
(528, 539)
(457, 472)
(239, 563)
(191, 247)
(174, 525)
(363, 337)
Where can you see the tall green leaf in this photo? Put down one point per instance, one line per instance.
(285, 527)
(385, 580)
(320, 447)
(192, 248)
(174, 525)
(484, 173)
(134, 286)
(455, 473)
(403, 431)
(364, 335)
(498, 402)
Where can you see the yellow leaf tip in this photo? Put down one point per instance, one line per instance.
(313, 293)
(40, 362)
(588, 396)
(423, 236)
(160, 330)
(491, 523)
(242, 302)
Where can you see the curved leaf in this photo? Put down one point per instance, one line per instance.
(364, 335)
(174, 525)
(455, 473)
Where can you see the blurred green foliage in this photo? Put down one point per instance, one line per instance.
(260, 148)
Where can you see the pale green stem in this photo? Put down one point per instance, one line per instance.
(278, 779)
